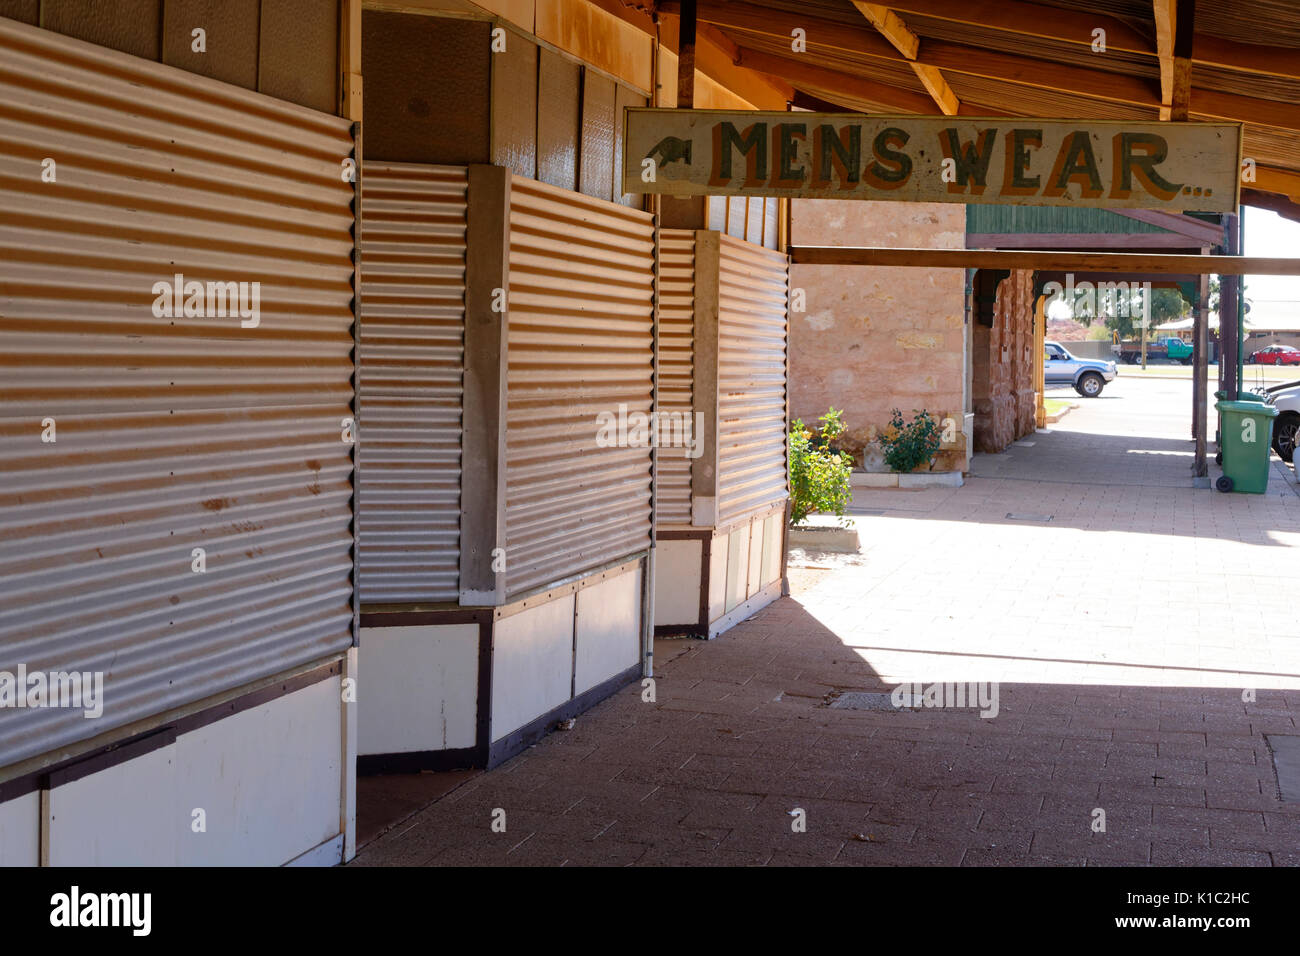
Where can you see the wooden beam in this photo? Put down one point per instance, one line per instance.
(686, 57)
(1271, 179)
(1245, 57)
(907, 43)
(1282, 205)
(1246, 109)
(1180, 93)
(1155, 263)
(1164, 13)
(1198, 230)
(893, 29)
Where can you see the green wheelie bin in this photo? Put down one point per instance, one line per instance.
(1246, 437)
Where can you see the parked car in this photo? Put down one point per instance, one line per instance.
(1170, 347)
(1275, 355)
(1286, 399)
(1088, 376)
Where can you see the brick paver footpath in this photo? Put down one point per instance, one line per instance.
(1127, 635)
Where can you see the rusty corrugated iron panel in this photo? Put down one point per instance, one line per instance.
(676, 368)
(172, 432)
(580, 342)
(752, 335)
(411, 381)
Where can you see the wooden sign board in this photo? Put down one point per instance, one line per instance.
(1002, 160)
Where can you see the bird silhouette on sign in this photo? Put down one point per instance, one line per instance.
(670, 149)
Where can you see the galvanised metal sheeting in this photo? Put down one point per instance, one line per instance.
(752, 288)
(411, 380)
(676, 368)
(580, 342)
(172, 433)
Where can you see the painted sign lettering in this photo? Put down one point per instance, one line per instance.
(1006, 160)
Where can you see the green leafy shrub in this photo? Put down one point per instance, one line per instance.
(909, 445)
(819, 472)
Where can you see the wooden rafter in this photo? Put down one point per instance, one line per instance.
(893, 29)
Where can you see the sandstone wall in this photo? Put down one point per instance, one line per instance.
(872, 339)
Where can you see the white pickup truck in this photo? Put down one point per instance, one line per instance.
(1286, 399)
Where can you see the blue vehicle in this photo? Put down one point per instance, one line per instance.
(1088, 376)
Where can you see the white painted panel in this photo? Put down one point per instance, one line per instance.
(126, 815)
(532, 664)
(417, 688)
(773, 540)
(607, 630)
(718, 576)
(754, 565)
(20, 830)
(677, 581)
(269, 780)
(737, 562)
(327, 854)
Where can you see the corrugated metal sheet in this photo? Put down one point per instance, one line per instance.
(580, 342)
(1052, 219)
(412, 370)
(676, 368)
(752, 287)
(172, 433)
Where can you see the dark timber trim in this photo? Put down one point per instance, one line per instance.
(527, 735)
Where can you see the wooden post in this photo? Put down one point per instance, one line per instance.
(1040, 376)
(705, 347)
(350, 61)
(685, 212)
(1200, 369)
(686, 56)
(1229, 317)
(483, 440)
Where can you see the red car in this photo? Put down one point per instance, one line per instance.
(1275, 355)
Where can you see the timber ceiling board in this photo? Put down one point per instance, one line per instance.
(1031, 101)
(893, 72)
(1136, 11)
(1270, 147)
(1056, 51)
(1281, 89)
(839, 10)
(1271, 22)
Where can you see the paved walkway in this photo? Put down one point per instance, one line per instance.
(1123, 634)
